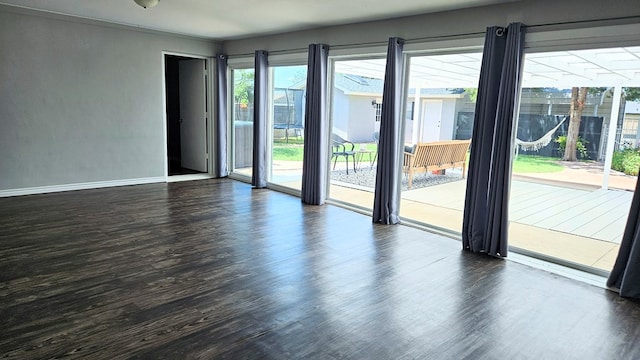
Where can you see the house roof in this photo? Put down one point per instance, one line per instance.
(358, 85)
(351, 84)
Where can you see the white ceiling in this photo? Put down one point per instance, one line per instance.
(243, 18)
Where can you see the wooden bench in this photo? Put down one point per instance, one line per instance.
(434, 156)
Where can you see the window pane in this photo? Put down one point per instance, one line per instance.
(287, 117)
(356, 106)
(439, 120)
(571, 205)
(243, 85)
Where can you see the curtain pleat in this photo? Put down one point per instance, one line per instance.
(259, 174)
(314, 166)
(485, 220)
(221, 167)
(386, 202)
(625, 276)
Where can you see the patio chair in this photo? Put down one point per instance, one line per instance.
(342, 147)
(376, 138)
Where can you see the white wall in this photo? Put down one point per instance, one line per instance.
(632, 107)
(431, 120)
(448, 119)
(340, 113)
(433, 26)
(362, 119)
(81, 101)
(354, 118)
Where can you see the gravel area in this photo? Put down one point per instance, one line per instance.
(364, 179)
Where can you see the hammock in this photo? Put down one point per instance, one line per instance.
(540, 143)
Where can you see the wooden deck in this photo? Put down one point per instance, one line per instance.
(598, 214)
(212, 269)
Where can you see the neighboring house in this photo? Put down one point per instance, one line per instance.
(357, 106)
(354, 107)
(446, 114)
(630, 134)
(435, 118)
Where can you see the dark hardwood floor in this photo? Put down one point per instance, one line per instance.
(214, 270)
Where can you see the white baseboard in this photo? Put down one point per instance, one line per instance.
(189, 177)
(80, 186)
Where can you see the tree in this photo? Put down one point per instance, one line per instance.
(243, 88)
(473, 94)
(631, 94)
(578, 101)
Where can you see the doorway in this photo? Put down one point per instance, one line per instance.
(187, 115)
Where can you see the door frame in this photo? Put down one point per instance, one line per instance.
(209, 96)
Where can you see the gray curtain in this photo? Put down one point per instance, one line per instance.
(222, 169)
(259, 175)
(314, 166)
(386, 201)
(485, 221)
(625, 276)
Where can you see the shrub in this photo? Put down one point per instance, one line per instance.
(618, 159)
(631, 163)
(626, 161)
(581, 146)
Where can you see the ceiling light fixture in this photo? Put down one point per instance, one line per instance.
(147, 3)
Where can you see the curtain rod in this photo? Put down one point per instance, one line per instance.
(622, 18)
(362, 44)
(438, 37)
(299, 50)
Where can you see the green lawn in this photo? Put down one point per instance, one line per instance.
(294, 151)
(536, 164)
(287, 152)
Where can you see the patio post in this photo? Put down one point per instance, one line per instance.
(611, 136)
(416, 133)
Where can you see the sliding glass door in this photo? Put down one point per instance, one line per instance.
(576, 154)
(287, 102)
(440, 101)
(438, 124)
(242, 81)
(356, 105)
